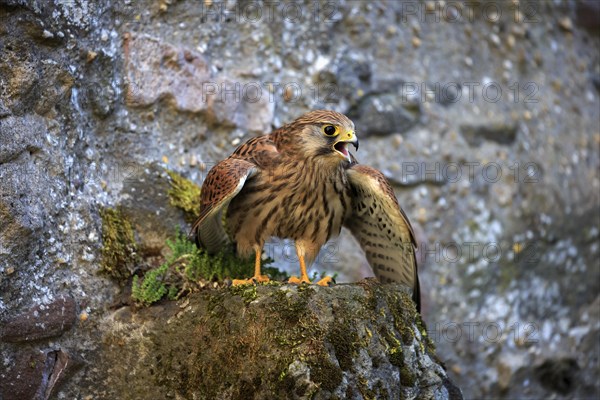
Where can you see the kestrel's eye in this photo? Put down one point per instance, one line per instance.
(330, 130)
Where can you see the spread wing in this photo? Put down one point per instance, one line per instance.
(223, 182)
(382, 229)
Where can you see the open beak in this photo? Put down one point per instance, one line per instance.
(341, 146)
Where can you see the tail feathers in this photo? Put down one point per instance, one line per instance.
(211, 235)
(416, 296)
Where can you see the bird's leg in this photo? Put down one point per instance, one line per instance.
(257, 278)
(327, 281)
(303, 275)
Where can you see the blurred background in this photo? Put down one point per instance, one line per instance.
(484, 115)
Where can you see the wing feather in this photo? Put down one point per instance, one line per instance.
(223, 182)
(382, 229)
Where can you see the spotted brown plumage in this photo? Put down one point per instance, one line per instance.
(300, 182)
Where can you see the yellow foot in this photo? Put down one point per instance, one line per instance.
(327, 281)
(237, 282)
(251, 281)
(296, 280)
(260, 278)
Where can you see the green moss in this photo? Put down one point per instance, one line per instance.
(185, 195)
(345, 341)
(289, 311)
(188, 266)
(289, 305)
(300, 331)
(246, 292)
(244, 334)
(396, 356)
(215, 305)
(215, 346)
(325, 373)
(380, 390)
(407, 378)
(365, 391)
(400, 332)
(201, 265)
(119, 250)
(152, 288)
(430, 346)
(403, 309)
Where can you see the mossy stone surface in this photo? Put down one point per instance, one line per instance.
(275, 341)
(119, 249)
(185, 195)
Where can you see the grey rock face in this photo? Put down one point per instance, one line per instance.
(383, 115)
(24, 179)
(145, 202)
(20, 134)
(158, 70)
(484, 119)
(498, 132)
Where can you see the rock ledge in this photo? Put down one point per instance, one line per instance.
(356, 341)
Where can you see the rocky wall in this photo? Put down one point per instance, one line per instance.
(483, 115)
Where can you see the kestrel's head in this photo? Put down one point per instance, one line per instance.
(325, 133)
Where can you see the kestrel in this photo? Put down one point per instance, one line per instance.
(300, 182)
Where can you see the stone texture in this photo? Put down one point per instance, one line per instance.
(22, 87)
(60, 366)
(24, 181)
(41, 322)
(35, 374)
(383, 114)
(19, 134)
(145, 202)
(82, 134)
(350, 341)
(501, 133)
(22, 379)
(159, 70)
(4, 111)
